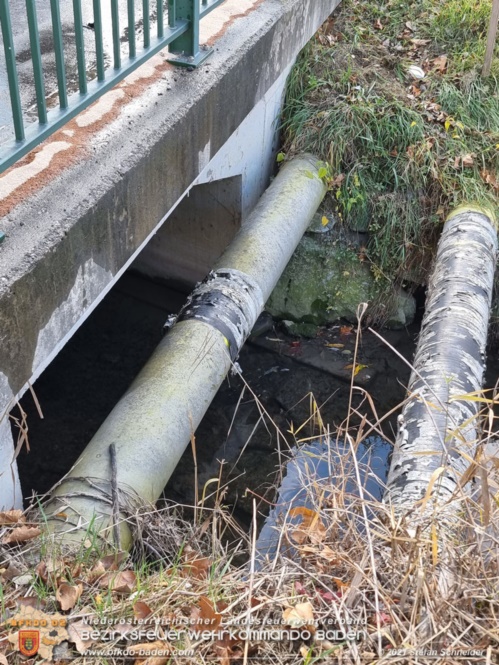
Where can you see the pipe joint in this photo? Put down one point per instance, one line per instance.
(227, 300)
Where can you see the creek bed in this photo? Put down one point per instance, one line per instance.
(248, 424)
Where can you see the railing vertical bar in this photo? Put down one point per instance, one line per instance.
(80, 46)
(36, 57)
(99, 49)
(59, 53)
(172, 9)
(115, 19)
(161, 31)
(195, 27)
(147, 23)
(131, 28)
(10, 60)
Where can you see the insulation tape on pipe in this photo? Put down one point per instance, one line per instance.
(227, 300)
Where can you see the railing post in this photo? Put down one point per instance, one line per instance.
(36, 56)
(10, 61)
(187, 45)
(59, 53)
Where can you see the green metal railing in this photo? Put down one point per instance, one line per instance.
(181, 35)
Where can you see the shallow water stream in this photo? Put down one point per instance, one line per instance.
(318, 461)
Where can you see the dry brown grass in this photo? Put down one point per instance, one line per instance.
(346, 562)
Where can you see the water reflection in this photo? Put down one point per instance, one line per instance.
(310, 466)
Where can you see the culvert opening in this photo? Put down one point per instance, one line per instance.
(84, 382)
(94, 369)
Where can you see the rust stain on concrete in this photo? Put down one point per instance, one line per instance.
(245, 7)
(71, 143)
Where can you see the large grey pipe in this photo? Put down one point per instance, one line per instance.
(153, 422)
(437, 435)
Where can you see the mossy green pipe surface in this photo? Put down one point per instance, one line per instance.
(153, 422)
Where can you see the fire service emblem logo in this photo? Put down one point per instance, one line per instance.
(29, 641)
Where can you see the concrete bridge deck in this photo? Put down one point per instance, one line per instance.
(81, 207)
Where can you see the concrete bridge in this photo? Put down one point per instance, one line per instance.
(159, 173)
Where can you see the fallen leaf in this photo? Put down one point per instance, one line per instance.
(21, 534)
(346, 330)
(324, 220)
(329, 554)
(41, 571)
(335, 346)
(97, 572)
(67, 595)
(467, 161)
(378, 25)
(358, 368)
(3, 660)
(223, 654)
(300, 589)
(124, 628)
(208, 613)
(328, 596)
(113, 561)
(299, 615)
(337, 180)
(30, 601)
(122, 582)
(440, 63)
(362, 255)
(148, 647)
(141, 610)
(76, 570)
(490, 179)
(195, 616)
(75, 631)
(23, 580)
(11, 517)
(417, 43)
(197, 566)
(310, 527)
(384, 618)
(13, 570)
(228, 650)
(340, 583)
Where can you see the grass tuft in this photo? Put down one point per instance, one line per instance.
(409, 150)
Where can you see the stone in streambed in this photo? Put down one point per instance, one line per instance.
(300, 329)
(402, 310)
(325, 281)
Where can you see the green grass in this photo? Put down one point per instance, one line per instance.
(398, 143)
